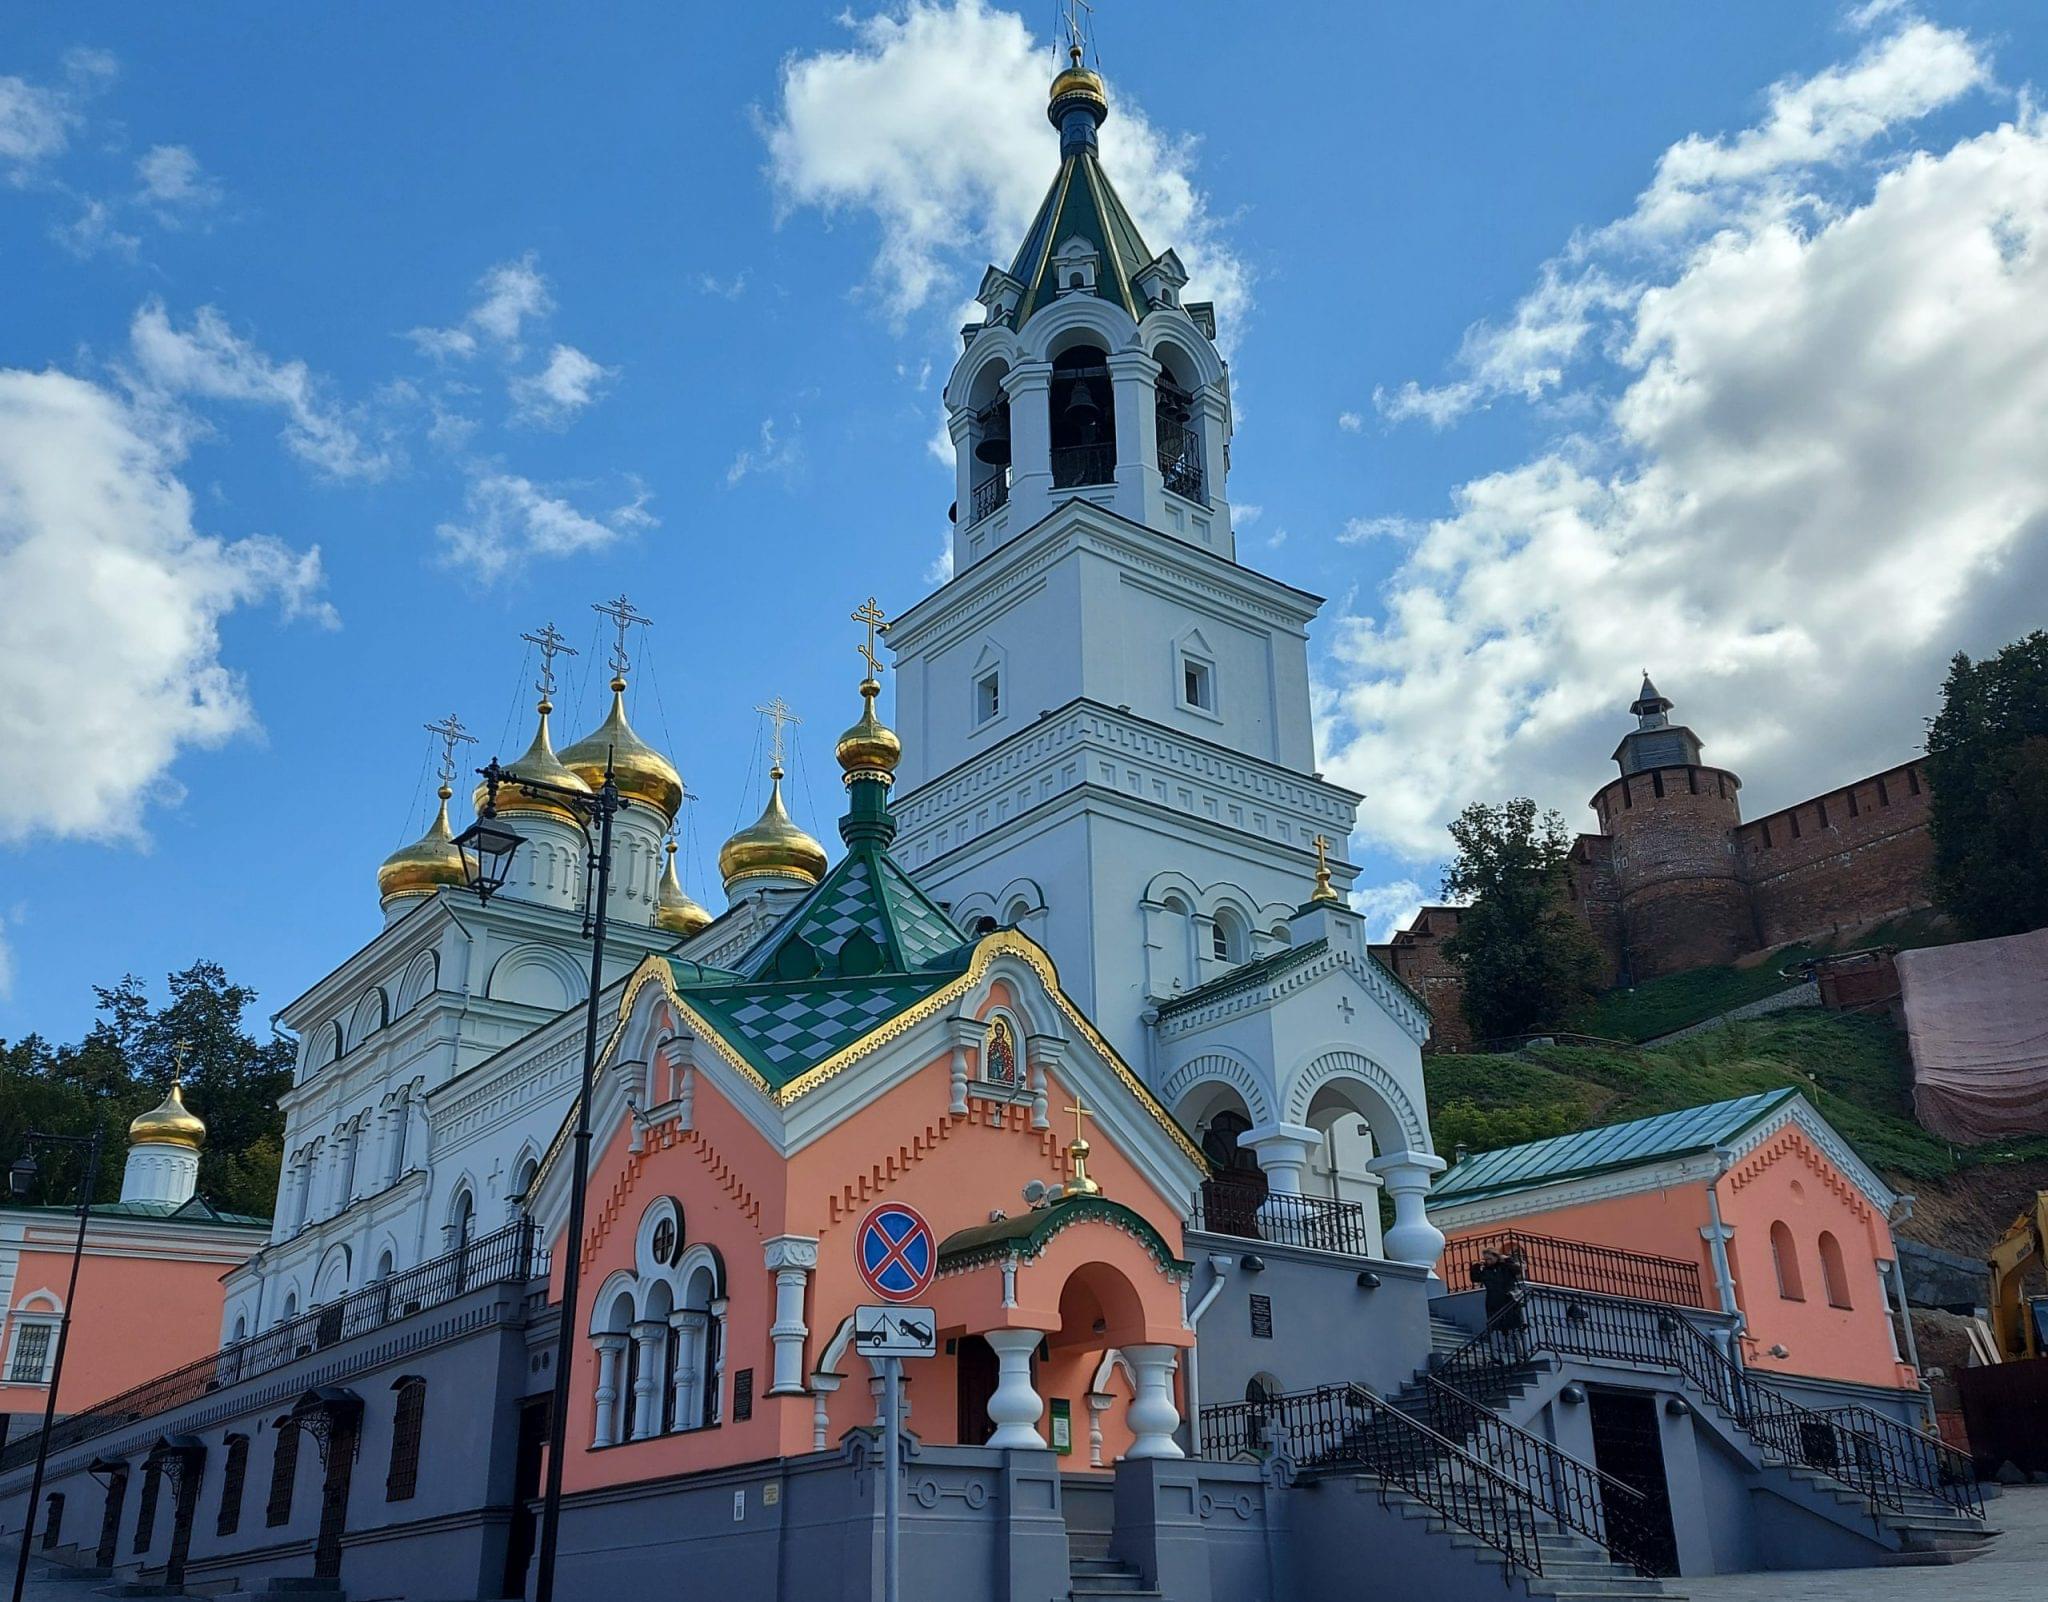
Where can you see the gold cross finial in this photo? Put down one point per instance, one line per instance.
(1325, 891)
(1080, 1110)
(1082, 1184)
(777, 712)
(450, 732)
(877, 621)
(552, 643)
(624, 618)
(180, 1050)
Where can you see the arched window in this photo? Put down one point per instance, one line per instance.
(53, 1518)
(403, 1477)
(241, 1327)
(1834, 1273)
(1227, 940)
(385, 1264)
(1083, 419)
(462, 1220)
(1017, 914)
(284, 1473)
(145, 1515)
(291, 1307)
(1000, 1064)
(233, 1477)
(1786, 1257)
(984, 925)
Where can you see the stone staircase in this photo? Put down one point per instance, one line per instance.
(1092, 1572)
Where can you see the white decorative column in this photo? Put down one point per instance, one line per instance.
(1133, 377)
(714, 1371)
(650, 1335)
(823, 1387)
(1152, 1415)
(415, 1130)
(610, 1349)
(1212, 421)
(1015, 1407)
(791, 1258)
(1283, 1151)
(878, 1368)
(1029, 386)
(690, 1326)
(966, 1034)
(1098, 1404)
(1413, 1239)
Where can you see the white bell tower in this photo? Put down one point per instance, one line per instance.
(1106, 718)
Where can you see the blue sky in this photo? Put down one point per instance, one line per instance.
(1567, 339)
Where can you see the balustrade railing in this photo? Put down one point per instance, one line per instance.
(990, 495)
(512, 1255)
(1320, 1223)
(1878, 1457)
(1580, 1265)
(1183, 476)
(1345, 1428)
(1077, 466)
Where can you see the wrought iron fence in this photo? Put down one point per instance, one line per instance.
(1183, 475)
(1878, 1457)
(1345, 1428)
(1250, 1213)
(990, 495)
(511, 1255)
(1579, 1265)
(1076, 466)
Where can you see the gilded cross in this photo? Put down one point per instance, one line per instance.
(1080, 1110)
(180, 1050)
(777, 712)
(873, 616)
(450, 732)
(624, 618)
(1324, 890)
(552, 643)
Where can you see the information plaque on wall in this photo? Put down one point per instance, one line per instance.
(1262, 1318)
(743, 1394)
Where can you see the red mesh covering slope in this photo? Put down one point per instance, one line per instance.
(1977, 1022)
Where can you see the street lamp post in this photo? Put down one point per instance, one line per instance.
(20, 1178)
(487, 856)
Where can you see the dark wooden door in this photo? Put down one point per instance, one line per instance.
(1628, 1444)
(184, 1503)
(341, 1464)
(975, 1368)
(110, 1523)
(526, 1476)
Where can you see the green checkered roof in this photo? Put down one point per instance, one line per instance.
(865, 917)
(785, 1028)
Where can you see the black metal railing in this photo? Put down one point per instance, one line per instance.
(1575, 1494)
(1246, 1211)
(1347, 1429)
(1877, 1457)
(1580, 1265)
(990, 495)
(511, 1255)
(1183, 475)
(1075, 466)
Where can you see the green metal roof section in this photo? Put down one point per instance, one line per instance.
(198, 1210)
(1082, 201)
(785, 1027)
(865, 917)
(1026, 1235)
(1684, 1133)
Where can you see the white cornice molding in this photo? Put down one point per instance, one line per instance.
(1288, 980)
(1823, 1134)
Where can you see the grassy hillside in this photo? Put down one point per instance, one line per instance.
(1854, 1069)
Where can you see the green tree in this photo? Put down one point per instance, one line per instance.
(1987, 760)
(123, 1067)
(1527, 963)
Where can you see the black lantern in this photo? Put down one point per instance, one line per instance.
(21, 1178)
(487, 846)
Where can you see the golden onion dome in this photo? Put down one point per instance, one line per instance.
(429, 863)
(772, 846)
(642, 773)
(870, 746)
(539, 762)
(1077, 83)
(169, 1123)
(673, 908)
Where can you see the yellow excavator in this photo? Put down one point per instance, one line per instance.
(2019, 1320)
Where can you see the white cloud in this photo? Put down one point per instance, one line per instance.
(940, 568)
(1351, 422)
(174, 184)
(1386, 907)
(510, 520)
(509, 295)
(210, 360)
(37, 120)
(1775, 171)
(723, 288)
(774, 453)
(933, 120)
(93, 230)
(1824, 467)
(555, 394)
(110, 601)
(1245, 513)
(1362, 530)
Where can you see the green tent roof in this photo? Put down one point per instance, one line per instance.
(1082, 201)
(1616, 1146)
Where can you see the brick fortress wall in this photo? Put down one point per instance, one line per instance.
(1855, 855)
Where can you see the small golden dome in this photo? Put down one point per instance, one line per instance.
(539, 762)
(430, 862)
(772, 846)
(870, 746)
(1078, 83)
(169, 1123)
(673, 908)
(642, 773)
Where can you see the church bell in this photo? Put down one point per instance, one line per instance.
(994, 445)
(1082, 409)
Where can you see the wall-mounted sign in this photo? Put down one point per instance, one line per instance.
(1262, 1318)
(1062, 1425)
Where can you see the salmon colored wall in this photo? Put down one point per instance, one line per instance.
(1791, 1180)
(737, 1192)
(1665, 1223)
(135, 1318)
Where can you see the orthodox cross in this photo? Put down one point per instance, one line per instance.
(1324, 891)
(873, 616)
(1079, 16)
(777, 712)
(552, 644)
(1080, 1110)
(450, 732)
(624, 618)
(180, 1050)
